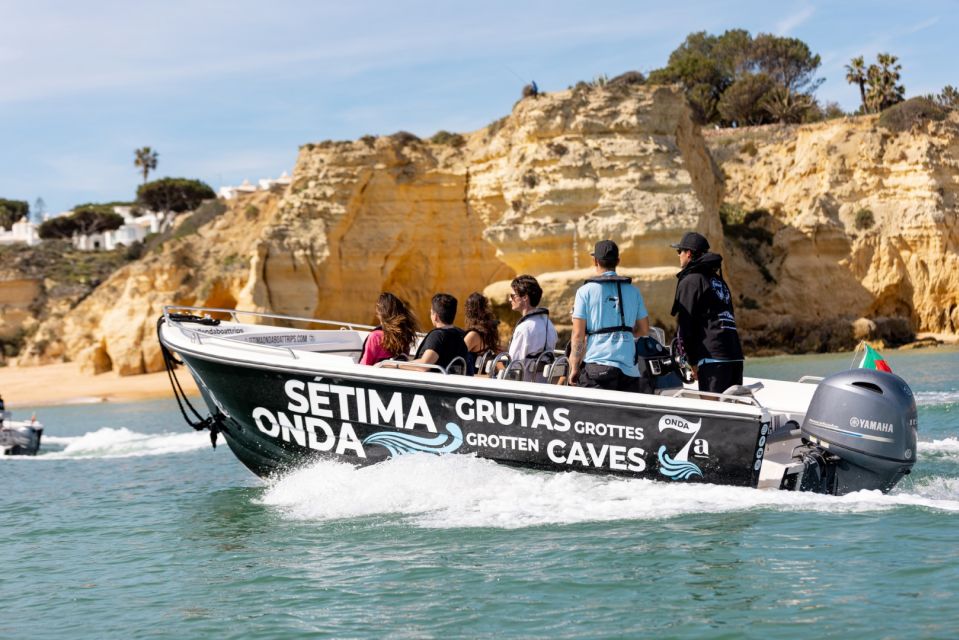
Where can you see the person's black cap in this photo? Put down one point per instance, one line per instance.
(693, 241)
(605, 250)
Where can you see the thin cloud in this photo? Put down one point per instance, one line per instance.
(922, 26)
(785, 26)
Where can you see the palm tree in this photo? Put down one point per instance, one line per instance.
(146, 160)
(856, 74)
(884, 90)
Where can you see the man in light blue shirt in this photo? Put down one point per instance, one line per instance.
(609, 313)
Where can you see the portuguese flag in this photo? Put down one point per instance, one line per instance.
(872, 359)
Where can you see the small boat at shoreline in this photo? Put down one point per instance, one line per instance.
(286, 391)
(20, 438)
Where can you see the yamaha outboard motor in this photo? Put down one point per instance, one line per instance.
(657, 368)
(861, 426)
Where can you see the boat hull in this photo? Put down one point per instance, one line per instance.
(276, 420)
(20, 439)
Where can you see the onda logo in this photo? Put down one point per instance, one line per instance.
(680, 468)
(874, 425)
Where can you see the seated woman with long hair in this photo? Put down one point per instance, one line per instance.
(482, 334)
(395, 333)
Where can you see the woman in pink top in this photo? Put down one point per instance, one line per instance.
(396, 332)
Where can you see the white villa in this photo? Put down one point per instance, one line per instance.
(134, 229)
(23, 231)
(264, 184)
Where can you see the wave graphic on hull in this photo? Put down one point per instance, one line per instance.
(677, 469)
(401, 443)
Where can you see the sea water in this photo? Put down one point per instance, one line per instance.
(129, 525)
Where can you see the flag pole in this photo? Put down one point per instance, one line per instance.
(852, 365)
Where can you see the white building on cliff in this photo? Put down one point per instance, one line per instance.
(24, 232)
(263, 184)
(134, 229)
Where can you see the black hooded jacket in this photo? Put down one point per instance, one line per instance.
(704, 310)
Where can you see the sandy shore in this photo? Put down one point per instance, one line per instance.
(65, 384)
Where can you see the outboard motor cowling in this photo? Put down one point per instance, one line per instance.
(868, 420)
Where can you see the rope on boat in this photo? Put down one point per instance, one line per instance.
(212, 422)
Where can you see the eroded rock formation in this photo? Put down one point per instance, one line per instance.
(861, 221)
(532, 192)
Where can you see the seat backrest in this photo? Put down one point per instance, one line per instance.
(492, 370)
(456, 367)
(558, 371)
(514, 371)
(484, 361)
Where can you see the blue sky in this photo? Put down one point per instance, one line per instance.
(229, 90)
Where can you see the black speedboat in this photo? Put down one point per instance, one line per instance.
(283, 393)
(19, 438)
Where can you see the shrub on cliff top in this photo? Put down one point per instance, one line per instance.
(174, 194)
(84, 220)
(628, 78)
(404, 138)
(12, 211)
(914, 111)
(454, 140)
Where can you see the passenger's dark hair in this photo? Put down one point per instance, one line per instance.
(696, 255)
(526, 285)
(444, 305)
(398, 323)
(480, 318)
(608, 264)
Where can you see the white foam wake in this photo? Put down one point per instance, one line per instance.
(932, 398)
(938, 448)
(122, 443)
(463, 491)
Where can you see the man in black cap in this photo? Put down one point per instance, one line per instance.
(704, 312)
(607, 314)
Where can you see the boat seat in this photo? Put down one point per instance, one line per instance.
(484, 361)
(456, 367)
(492, 369)
(513, 371)
(558, 371)
(743, 389)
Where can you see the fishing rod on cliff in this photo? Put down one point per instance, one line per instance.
(531, 83)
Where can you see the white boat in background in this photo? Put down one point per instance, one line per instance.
(20, 438)
(284, 393)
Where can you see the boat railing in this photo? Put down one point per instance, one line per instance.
(694, 394)
(198, 336)
(233, 313)
(406, 364)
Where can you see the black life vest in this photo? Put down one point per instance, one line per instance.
(619, 280)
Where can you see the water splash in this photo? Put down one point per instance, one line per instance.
(464, 491)
(944, 448)
(120, 443)
(936, 398)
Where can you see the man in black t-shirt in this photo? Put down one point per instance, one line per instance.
(444, 342)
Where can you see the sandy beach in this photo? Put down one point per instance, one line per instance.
(65, 384)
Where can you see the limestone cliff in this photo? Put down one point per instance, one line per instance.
(859, 221)
(532, 192)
